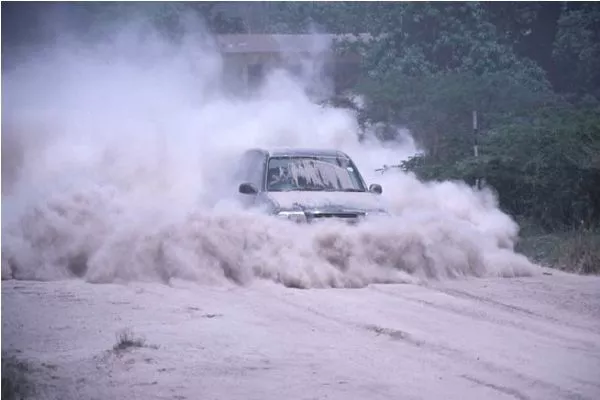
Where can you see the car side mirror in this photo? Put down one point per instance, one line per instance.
(247, 188)
(375, 188)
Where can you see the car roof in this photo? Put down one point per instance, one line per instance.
(303, 152)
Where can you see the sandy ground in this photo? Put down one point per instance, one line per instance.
(523, 338)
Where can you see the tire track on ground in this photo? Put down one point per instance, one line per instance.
(400, 336)
(586, 346)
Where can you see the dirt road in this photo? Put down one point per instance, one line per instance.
(521, 338)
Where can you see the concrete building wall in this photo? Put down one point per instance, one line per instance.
(249, 58)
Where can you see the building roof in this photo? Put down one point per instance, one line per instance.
(277, 43)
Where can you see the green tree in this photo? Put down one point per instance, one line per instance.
(435, 63)
(577, 50)
(439, 62)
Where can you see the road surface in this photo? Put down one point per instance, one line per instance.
(520, 338)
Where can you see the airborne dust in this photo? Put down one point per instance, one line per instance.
(116, 158)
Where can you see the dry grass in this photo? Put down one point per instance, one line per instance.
(580, 253)
(15, 383)
(575, 251)
(126, 340)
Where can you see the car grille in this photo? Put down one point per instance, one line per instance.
(335, 215)
(350, 218)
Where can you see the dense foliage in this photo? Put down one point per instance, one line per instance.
(530, 70)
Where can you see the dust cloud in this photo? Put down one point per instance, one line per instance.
(116, 158)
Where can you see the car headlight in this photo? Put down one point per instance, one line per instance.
(377, 213)
(296, 216)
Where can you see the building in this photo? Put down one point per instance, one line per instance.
(248, 58)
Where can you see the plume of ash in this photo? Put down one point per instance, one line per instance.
(116, 165)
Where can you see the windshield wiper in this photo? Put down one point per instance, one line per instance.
(352, 190)
(311, 189)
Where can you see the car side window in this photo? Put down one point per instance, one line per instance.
(241, 172)
(251, 168)
(256, 169)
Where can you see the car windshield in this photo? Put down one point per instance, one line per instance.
(313, 174)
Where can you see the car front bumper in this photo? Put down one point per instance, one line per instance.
(313, 216)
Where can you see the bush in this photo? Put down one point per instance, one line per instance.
(574, 251)
(580, 253)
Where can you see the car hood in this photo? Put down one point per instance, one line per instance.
(330, 201)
